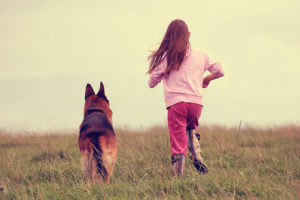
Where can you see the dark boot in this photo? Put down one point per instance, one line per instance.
(194, 147)
(178, 162)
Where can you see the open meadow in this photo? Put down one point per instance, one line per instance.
(244, 163)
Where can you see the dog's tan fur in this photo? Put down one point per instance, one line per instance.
(97, 142)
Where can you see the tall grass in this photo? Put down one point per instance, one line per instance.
(247, 163)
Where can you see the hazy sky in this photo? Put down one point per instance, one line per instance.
(49, 50)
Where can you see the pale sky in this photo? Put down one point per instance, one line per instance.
(49, 51)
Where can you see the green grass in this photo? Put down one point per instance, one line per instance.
(250, 163)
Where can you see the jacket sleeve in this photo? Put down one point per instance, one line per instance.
(213, 67)
(157, 74)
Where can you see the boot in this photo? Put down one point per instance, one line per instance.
(194, 147)
(178, 162)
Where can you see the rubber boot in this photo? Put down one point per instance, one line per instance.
(194, 148)
(178, 162)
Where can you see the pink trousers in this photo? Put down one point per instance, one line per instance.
(182, 116)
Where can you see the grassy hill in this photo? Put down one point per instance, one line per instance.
(247, 163)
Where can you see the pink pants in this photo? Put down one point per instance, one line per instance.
(182, 116)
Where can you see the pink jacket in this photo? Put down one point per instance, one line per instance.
(185, 85)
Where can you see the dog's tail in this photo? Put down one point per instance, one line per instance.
(99, 155)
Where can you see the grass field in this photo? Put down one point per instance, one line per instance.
(246, 163)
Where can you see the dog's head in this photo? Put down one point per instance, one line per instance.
(97, 102)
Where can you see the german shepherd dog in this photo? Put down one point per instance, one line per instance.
(97, 141)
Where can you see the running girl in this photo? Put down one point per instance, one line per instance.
(181, 67)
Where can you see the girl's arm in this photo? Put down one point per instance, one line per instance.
(214, 68)
(157, 74)
(209, 78)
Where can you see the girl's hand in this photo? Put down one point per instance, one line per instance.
(211, 77)
(206, 82)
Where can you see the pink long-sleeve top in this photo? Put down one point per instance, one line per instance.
(185, 84)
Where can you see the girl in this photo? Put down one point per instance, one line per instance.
(181, 68)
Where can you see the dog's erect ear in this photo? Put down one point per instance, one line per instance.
(88, 91)
(101, 91)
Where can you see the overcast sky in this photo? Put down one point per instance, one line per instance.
(49, 51)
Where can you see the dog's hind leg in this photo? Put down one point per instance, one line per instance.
(88, 161)
(83, 146)
(84, 161)
(108, 145)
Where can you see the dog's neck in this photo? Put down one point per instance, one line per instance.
(92, 111)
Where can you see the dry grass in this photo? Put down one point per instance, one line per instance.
(249, 163)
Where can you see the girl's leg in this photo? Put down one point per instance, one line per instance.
(194, 147)
(177, 122)
(177, 118)
(178, 163)
(194, 137)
